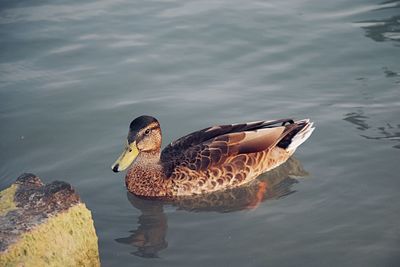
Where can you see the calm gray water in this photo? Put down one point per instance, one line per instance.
(73, 75)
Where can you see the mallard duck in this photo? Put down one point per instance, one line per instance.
(212, 159)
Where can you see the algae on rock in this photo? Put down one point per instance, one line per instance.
(45, 225)
(7, 200)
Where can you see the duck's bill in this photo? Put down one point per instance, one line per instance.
(127, 157)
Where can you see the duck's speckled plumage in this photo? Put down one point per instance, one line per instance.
(215, 158)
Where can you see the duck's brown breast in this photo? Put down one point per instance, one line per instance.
(148, 181)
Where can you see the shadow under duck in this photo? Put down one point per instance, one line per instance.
(212, 159)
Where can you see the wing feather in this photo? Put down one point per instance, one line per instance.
(214, 145)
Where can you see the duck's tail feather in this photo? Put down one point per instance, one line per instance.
(297, 136)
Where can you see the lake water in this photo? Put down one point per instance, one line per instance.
(73, 75)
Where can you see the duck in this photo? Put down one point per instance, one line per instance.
(213, 159)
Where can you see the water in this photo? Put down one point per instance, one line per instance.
(73, 75)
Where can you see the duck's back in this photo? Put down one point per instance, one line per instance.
(226, 156)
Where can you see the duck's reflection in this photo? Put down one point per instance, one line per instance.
(150, 235)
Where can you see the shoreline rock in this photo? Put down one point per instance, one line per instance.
(45, 225)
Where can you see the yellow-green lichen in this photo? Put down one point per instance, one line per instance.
(66, 239)
(7, 200)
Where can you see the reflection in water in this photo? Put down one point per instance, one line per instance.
(358, 119)
(380, 30)
(388, 131)
(389, 73)
(150, 236)
(386, 29)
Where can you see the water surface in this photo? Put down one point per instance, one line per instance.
(74, 74)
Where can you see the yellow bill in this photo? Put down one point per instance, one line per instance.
(127, 157)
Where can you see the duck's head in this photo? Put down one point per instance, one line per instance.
(144, 136)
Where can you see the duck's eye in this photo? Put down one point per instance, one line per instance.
(147, 131)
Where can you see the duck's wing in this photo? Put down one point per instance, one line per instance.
(214, 145)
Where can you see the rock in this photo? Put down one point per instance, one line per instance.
(45, 225)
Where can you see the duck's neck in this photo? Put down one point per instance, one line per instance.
(148, 158)
(146, 176)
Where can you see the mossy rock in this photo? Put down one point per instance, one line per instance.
(45, 225)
